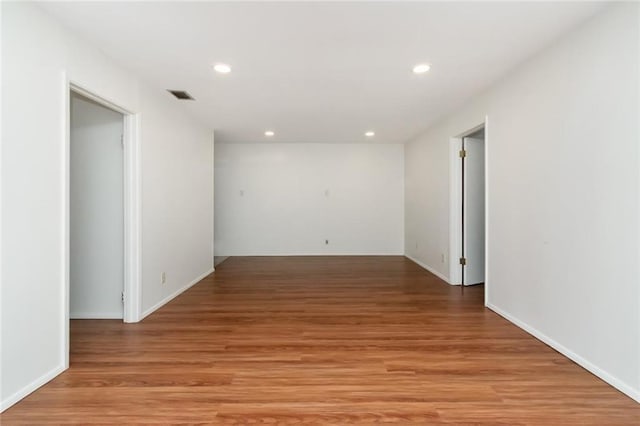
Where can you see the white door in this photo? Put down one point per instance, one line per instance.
(96, 211)
(473, 212)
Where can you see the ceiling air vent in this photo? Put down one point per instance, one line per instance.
(181, 94)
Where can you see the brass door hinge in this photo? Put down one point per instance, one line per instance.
(463, 153)
(463, 261)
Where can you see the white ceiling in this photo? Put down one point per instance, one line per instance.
(321, 72)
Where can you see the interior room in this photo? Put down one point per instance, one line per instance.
(320, 212)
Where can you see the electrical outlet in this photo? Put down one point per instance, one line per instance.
(163, 278)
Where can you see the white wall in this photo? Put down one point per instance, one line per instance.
(563, 195)
(177, 189)
(177, 200)
(284, 207)
(96, 214)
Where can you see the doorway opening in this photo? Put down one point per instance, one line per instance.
(102, 211)
(96, 215)
(468, 212)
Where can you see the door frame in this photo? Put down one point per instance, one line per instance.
(131, 206)
(455, 206)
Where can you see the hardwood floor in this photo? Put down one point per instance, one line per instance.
(321, 340)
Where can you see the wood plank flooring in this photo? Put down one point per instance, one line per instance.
(320, 340)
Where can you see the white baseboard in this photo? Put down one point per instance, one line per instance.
(175, 294)
(17, 396)
(287, 254)
(95, 315)
(428, 268)
(616, 383)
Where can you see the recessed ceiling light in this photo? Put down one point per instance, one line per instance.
(222, 68)
(370, 134)
(421, 68)
(269, 133)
